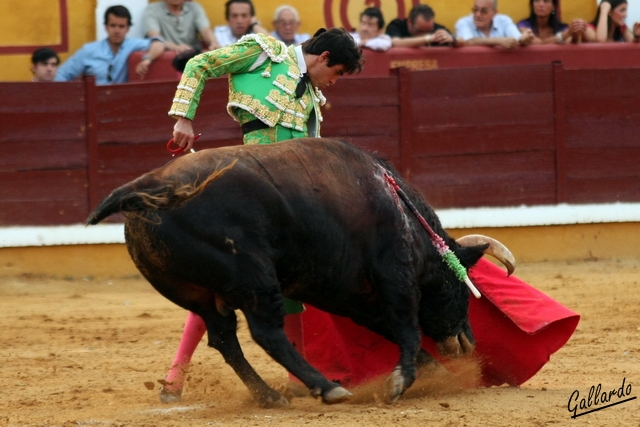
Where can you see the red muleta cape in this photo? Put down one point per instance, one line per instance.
(516, 327)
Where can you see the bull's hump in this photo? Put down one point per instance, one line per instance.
(312, 163)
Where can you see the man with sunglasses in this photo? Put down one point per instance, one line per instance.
(486, 27)
(107, 59)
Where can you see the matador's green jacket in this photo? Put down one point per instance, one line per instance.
(263, 74)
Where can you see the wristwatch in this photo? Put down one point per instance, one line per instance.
(147, 56)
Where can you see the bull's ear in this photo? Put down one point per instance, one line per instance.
(470, 255)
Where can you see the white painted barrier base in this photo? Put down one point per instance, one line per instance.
(520, 216)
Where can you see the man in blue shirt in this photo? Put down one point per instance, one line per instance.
(107, 59)
(486, 27)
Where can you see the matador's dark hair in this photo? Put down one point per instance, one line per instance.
(341, 47)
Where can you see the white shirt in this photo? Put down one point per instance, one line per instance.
(501, 26)
(380, 43)
(224, 36)
(299, 57)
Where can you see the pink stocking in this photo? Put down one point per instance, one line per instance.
(194, 329)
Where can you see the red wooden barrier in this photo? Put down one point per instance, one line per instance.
(160, 69)
(603, 135)
(494, 125)
(43, 173)
(380, 64)
(586, 55)
(476, 136)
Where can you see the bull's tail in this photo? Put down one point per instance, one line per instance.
(151, 192)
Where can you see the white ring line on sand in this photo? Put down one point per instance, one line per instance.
(162, 411)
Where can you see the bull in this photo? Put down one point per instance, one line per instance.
(313, 220)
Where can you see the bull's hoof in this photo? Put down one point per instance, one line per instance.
(424, 358)
(395, 386)
(272, 399)
(170, 396)
(336, 395)
(456, 346)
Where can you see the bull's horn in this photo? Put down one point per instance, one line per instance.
(495, 249)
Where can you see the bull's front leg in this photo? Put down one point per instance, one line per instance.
(404, 374)
(400, 326)
(222, 336)
(266, 326)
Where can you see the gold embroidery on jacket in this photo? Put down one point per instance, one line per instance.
(287, 85)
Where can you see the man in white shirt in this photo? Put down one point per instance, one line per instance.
(486, 27)
(286, 22)
(241, 20)
(370, 31)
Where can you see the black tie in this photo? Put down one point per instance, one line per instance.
(302, 85)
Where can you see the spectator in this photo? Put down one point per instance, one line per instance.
(273, 94)
(369, 32)
(44, 65)
(419, 29)
(486, 27)
(546, 27)
(107, 59)
(609, 24)
(241, 20)
(183, 25)
(286, 22)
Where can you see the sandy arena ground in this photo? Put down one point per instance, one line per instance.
(89, 352)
